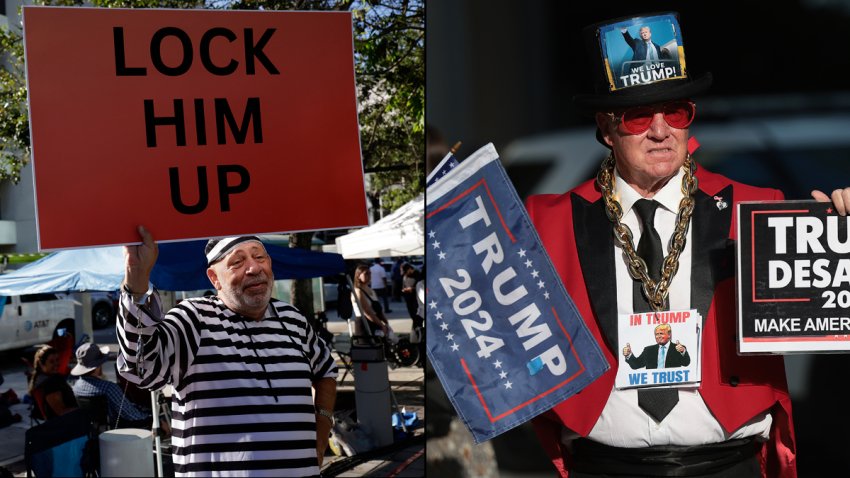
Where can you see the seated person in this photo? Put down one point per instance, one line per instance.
(93, 383)
(50, 390)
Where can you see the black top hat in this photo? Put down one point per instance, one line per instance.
(637, 61)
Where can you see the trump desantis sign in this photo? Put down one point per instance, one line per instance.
(504, 337)
(194, 123)
(793, 277)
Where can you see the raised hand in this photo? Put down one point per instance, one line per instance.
(139, 261)
(840, 199)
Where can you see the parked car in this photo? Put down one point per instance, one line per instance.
(104, 308)
(34, 319)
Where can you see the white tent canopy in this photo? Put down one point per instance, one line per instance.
(402, 233)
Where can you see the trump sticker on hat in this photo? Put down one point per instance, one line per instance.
(642, 50)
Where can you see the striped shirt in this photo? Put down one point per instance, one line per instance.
(242, 389)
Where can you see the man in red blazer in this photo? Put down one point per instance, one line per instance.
(610, 240)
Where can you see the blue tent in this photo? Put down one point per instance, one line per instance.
(180, 266)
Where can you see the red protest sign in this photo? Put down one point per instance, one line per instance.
(194, 123)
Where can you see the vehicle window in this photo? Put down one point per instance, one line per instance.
(749, 167)
(527, 174)
(38, 297)
(795, 172)
(826, 169)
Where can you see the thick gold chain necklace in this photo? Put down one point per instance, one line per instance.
(656, 292)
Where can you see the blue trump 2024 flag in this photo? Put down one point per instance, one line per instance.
(503, 335)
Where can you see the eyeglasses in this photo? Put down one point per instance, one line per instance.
(678, 114)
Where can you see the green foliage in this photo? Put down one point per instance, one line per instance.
(390, 54)
(390, 69)
(25, 258)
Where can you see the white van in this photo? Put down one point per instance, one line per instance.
(34, 319)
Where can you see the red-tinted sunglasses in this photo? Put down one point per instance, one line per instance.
(678, 114)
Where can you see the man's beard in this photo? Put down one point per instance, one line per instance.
(245, 301)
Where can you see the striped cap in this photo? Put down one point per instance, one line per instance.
(218, 248)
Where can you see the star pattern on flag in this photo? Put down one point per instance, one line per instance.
(436, 244)
(534, 272)
(445, 168)
(537, 276)
(444, 326)
(503, 374)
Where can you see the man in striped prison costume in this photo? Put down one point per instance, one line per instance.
(242, 366)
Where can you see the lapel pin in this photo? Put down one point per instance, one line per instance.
(721, 204)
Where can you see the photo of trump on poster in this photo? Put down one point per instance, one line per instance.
(659, 349)
(659, 355)
(642, 50)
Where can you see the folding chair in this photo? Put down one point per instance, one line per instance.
(342, 345)
(37, 416)
(98, 409)
(62, 446)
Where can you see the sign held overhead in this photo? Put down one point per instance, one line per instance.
(194, 123)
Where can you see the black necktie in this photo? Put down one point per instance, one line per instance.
(656, 402)
(649, 249)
